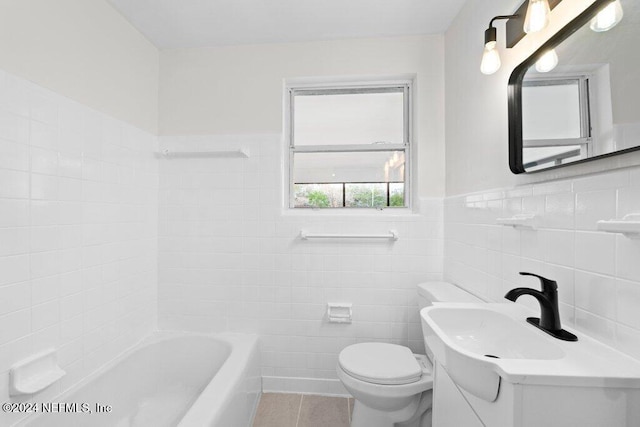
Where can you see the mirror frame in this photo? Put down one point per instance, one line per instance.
(515, 93)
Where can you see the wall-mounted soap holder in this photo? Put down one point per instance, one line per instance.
(519, 221)
(34, 374)
(629, 225)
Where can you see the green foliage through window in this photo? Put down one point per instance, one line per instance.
(318, 199)
(350, 195)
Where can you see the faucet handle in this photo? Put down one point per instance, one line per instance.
(548, 285)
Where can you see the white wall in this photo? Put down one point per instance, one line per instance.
(231, 260)
(597, 273)
(85, 50)
(78, 234)
(239, 89)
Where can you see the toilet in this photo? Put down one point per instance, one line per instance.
(392, 386)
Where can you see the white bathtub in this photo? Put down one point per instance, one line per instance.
(170, 379)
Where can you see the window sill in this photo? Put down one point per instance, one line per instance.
(351, 212)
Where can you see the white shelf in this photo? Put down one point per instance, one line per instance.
(519, 221)
(628, 226)
(242, 153)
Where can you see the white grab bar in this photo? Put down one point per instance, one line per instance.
(393, 235)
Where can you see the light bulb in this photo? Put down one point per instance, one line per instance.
(490, 59)
(537, 17)
(547, 62)
(608, 17)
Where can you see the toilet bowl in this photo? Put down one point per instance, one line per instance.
(392, 386)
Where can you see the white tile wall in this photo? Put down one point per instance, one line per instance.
(230, 260)
(90, 222)
(598, 273)
(78, 233)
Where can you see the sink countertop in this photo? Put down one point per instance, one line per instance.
(584, 363)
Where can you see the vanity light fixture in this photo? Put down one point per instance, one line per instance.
(531, 16)
(537, 17)
(491, 57)
(547, 62)
(608, 17)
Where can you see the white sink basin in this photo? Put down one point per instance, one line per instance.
(482, 332)
(481, 344)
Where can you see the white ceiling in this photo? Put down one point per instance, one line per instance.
(198, 23)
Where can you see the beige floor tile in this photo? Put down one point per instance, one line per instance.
(277, 410)
(323, 411)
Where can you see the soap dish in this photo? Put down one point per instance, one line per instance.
(628, 226)
(34, 374)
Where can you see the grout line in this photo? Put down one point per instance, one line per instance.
(349, 410)
(299, 410)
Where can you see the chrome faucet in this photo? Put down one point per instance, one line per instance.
(549, 320)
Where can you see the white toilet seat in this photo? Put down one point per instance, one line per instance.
(380, 363)
(368, 381)
(386, 391)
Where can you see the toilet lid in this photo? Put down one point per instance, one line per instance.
(380, 363)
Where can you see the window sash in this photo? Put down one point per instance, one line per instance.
(398, 147)
(583, 93)
(528, 143)
(556, 159)
(585, 140)
(404, 87)
(348, 148)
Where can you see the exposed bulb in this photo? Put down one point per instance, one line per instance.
(537, 17)
(490, 59)
(547, 62)
(608, 17)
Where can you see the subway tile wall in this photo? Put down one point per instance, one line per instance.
(598, 273)
(230, 260)
(78, 233)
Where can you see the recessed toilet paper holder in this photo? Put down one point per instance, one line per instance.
(340, 312)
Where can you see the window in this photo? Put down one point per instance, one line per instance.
(557, 124)
(349, 147)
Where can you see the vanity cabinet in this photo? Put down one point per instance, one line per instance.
(533, 406)
(450, 409)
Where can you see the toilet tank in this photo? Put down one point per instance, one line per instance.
(431, 292)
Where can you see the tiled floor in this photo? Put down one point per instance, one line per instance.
(297, 410)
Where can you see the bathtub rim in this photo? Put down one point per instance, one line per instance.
(244, 347)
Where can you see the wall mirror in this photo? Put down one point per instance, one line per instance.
(577, 98)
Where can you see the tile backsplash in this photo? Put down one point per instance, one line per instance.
(598, 273)
(230, 260)
(78, 233)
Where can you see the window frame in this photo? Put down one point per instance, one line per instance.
(293, 89)
(585, 141)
